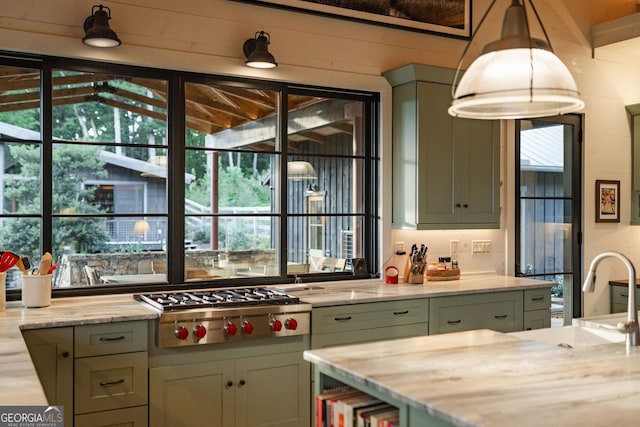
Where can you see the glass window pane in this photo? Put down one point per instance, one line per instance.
(109, 251)
(243, 246)
(108, 108)
(19, 103)
(90, 179)
(339, 180)
(318, 244)
(230, 117)
(545, 236)
(545, 167)
(220, 181)
(21, 181)
(325, 126)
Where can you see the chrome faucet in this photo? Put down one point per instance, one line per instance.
(630, 327)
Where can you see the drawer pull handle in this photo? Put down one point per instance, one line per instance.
(229, 384)
(107, 339)
(111, 383)
(397, 313)
(342, 319)
(241, 383)
(500, 316)
(624, 295)
(536, 299)
(454, 322)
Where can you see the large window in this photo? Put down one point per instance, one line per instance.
(134, 177)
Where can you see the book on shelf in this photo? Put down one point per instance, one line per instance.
(349, 405)
(370, 418)
(325, 402)
(382, 419)
(361, 416)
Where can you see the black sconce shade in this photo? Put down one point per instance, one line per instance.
(257, 52)
(97, 30)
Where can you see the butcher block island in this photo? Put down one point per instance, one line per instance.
(486, 378)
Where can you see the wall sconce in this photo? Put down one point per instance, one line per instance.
(300, 171)
(257, 52)
(516, 76)
(97, 30)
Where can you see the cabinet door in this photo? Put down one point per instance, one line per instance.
(477, 172)
(458, 164)
(273, 390)
(198, 394)
(51, 351)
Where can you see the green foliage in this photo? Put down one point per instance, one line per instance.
(72, 164)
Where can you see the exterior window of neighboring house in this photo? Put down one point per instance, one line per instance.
(142, 178)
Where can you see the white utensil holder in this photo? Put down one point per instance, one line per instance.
(36, 291)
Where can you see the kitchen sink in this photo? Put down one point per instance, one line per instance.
(572, 336)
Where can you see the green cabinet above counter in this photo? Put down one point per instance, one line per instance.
(446, 171)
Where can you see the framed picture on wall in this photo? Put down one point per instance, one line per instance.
(451, 17)
(607, 201)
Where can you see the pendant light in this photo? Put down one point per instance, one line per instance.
(516, 76)
(257, 51)
(301, 171)
(97, 30)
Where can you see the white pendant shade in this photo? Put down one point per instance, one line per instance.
(516, 83)
(516, 77)
(301, 171)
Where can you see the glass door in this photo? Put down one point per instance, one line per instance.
(548, 209)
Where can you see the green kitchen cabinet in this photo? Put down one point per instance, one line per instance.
(620, 298)
(537, 309)
(633, 112)
(264, 390)
(51, 351)
(111, 374)
(358, 323)
(499, 311)
(446, 171)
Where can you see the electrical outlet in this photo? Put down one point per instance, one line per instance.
(454, 246)
(481, 247)
(398, 248)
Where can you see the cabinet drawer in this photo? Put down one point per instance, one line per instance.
(537, 319)
(537, 299)
(355, 317)
(497, 311)
(110, 338)
(377, 334)
(110, 382)
(620, 298)
(130, 417)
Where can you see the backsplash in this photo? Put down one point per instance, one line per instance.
(489, 256)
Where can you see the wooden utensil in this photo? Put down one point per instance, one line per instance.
(45, 264)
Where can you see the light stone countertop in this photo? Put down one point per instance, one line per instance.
(362, 291)
(485, 378)
(19, 382)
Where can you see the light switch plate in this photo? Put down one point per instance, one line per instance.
(454, 247)
(481, 247)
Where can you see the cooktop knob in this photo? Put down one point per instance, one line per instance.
(230, 328)
(199, 331)
(247, 328)
(275, 325)
(181, 333)
(291, 323)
